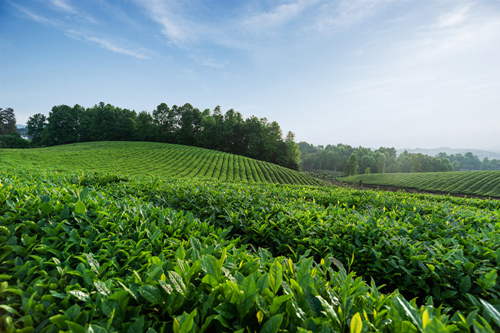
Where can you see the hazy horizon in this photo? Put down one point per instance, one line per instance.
(366, 73)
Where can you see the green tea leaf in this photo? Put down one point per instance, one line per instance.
(273, 324)
(80, 208)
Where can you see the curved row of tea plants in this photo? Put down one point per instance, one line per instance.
(161, 159)
(97, 252)
(481, 183)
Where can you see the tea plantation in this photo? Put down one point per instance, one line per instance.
(161, 159)
(95, 251)
(480, 183)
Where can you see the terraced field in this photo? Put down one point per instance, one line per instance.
(481, 183)
(166, 160)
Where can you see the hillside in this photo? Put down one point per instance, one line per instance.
(155, 254)
(161, 159)
(482, 183)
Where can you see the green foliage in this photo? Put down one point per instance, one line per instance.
(7, 121)
(13, 140)
(157, 158)
(185, 125)
(148, 254)
(351, 167)
(481, 183)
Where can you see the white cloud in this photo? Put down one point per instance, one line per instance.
(35, 17)
(167, 14)
(456, 16)
(110, 45)
(347, 13)
(65, 6)
(277, 15)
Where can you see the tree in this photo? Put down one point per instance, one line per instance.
(144, 127)
(292, 152)
(351, 167)
(63, 125)
(35, 125)
(7, 121)
(456, 165)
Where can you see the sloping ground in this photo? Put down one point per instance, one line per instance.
(154, 254)
(482, 183)
(161, 159)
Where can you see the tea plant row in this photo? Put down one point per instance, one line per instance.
(101, 252)
(143, 158)
(481, 183)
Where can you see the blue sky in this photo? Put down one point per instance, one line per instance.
(404, 74)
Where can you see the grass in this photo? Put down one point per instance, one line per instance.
(480, 183)
(160, 159)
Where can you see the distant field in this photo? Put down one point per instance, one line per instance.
(160, 159)
(481, 183)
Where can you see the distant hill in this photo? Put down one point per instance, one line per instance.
(160, 159)
(19, 126)
(434, 151)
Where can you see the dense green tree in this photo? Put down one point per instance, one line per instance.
(351, 167)
(63, 125)
(144, 127)
(13, 140)
(292, 152)
(35, 125)
(7, 121)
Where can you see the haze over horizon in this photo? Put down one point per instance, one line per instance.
(416, 74)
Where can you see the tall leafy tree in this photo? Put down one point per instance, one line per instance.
(351, 167)
(35, 125)
(292, 152)
(7, 121)
(63, 125)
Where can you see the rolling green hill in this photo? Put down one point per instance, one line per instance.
(167, 160)
(482, 183)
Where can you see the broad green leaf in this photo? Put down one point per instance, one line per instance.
(212, 267)
(313, 302)
(137, 326)
(435, 326)
(410, 312)
(277, 301)
(465, 284)
(356, 323)
(9, 309)
(101, 288)
(80, 208)
(59, 320)
(151, 293)
(249, 295)
(187, 322)
(75, 328)
(492, 311)
(275, 276)
(80, 295)
(272, 325)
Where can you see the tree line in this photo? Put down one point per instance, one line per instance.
(351, 160)
(185, 125)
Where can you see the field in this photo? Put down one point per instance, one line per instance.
(124, 252)
(161, 159)
(480, 183)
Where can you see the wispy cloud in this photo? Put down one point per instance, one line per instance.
(347, 13)
(65, 6)
(278, 15)
(167, 14)
(456, 16)
(35, 17)
(111, 45)
(455, 33)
